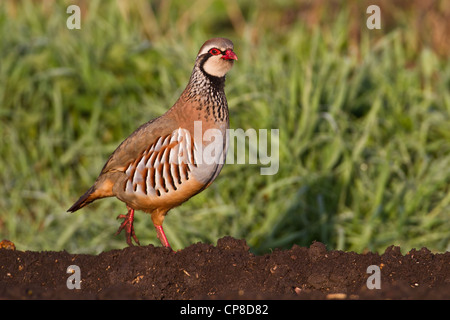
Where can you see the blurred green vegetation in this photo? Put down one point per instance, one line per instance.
(364, 120)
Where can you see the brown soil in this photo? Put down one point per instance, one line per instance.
(226, 271)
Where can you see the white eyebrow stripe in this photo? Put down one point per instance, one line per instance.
(209, 47)
(206, 49)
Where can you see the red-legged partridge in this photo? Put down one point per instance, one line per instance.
(162, 164)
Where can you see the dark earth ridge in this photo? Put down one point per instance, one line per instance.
(226, 271)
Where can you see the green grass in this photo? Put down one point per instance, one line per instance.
(364, 132)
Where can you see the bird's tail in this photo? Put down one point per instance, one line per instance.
(84, 200)
(102, 188)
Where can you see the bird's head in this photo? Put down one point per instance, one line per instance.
(216, 57)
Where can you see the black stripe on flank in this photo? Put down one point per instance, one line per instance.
(145, 180)
(169, 176)
(176, 172)
(152, 177)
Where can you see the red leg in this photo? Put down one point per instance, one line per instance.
(127, 224)
(162, 236)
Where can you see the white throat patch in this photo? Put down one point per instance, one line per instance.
(217, 67)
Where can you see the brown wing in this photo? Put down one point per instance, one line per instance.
(127, 152)
(132, 147)
(162, 175)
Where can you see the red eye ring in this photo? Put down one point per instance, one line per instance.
(215, 51)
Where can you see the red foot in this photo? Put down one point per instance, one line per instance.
(162, 236)
(127, 224)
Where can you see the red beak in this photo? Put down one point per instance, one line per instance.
(229, 55)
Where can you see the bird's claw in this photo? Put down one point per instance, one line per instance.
(127, 224)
